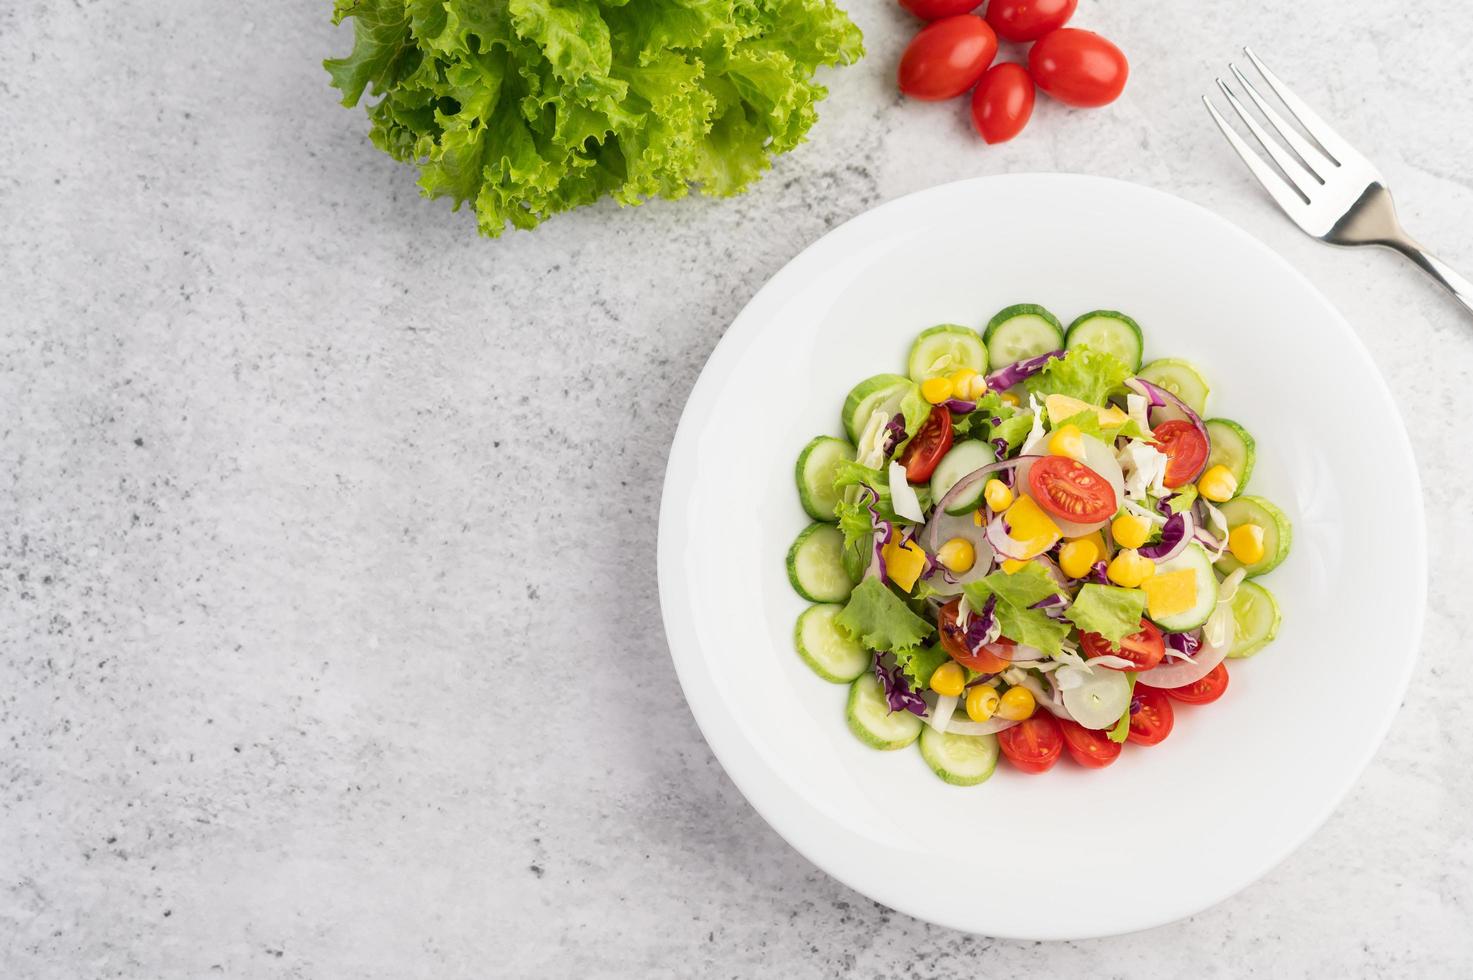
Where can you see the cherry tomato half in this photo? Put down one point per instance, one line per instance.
(947, 57)
(1002, 102)
(994, 658)
(1089, 748)
(1029, 20)
(1067, 488)
(934, 9)
(1204, 691)
(1185, 449)
(1152, 723)
(924, 451)
(1078, 68)
(1144, 649)
(1034, 744)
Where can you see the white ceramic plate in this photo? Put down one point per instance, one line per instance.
(1168, 830)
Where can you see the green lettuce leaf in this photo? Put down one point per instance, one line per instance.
(1015, 594)
(859, 535)
(876, 618)
(1108, 610)
(1089, 424)
(1121, 731)
(1089, 375)
(849, 473)
(919, 664)
(1182, 499)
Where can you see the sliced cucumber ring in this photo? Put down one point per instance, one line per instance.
(816, 468)
(883, 391)
(963, 458)
(1021, 331)
(1110, 332)
(1255, 619)
(1278, 534)
(872, 721)
(816, 564)
(826, 648)
(1194, 559)
(1181, 379)
(1232, 447)
(944, 349)
(961, 760)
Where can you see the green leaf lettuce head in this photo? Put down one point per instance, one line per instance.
(1089, 375)
(1108, 610)
(524, 108)
(877, 619)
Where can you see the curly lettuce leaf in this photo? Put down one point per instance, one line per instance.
(1108, 610)
(1091, 376)
(848, 473)
(1089, 424)
(919, 664)
(1016, 594)
(1121, 731)
(877, 619)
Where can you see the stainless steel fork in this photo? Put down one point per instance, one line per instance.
(1322, 183)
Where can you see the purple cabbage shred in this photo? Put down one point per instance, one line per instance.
(1014, 373)
(898, 694)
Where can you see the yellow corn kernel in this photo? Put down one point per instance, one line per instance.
(936, 390)
(977, 518)
(1011, 565)
(1128, 569)
(1218, 484)
(949, 679)
(904, 562)
(1016, 704)
(982, 702)
(1008, 398)
(957, 555)
(1067, 441)
(997, 495)
(1130, 531)
(1076, 558)
(967, 384)
(1246, 543)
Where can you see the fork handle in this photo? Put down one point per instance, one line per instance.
(1439, 270)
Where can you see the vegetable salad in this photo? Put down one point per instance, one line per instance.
(1031, 543)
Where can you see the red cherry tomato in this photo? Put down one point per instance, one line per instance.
(1002, 102)
(947, 57)
(1144, 649)
(994, 658)
(1204, 691)
(933, 9)
(1029, 20)
(1152, 723)
(1078, 68)
(1067, 488)
(1185, 449)
(924, 451)
(1089, 748)
(1034, 744)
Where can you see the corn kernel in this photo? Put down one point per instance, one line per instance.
(997, 495)
(1076, 558)
(1067, 441)
(1128, 569)
(1218, 484)
(1011, 565)
(1016, 704)
(1130, 531)
(1246, 543)
(958, 554)
(1008, 398)
(936, 390)
(982, 702)
(967, 384)
(949, 679)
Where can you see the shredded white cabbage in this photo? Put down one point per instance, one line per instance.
(1144, 467)
(1137, 407)
(871, 448)
(1145, 512)
(1219, 628)
(902, 497)
(1036, 434)
(963, 612)
(941, 714)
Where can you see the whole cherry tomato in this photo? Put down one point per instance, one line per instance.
(934, 9)
(1002, 102)
(947, 57)
(1028, 20)
(1078, 68)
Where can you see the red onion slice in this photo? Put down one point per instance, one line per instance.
(1181, 672)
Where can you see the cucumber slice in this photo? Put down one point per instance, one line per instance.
(946, 348)
(961, 760)
(1181, 379)
(882, 391)
(1110, 332)
(872, 721)
(816, 468)
(1278, 534)
(1255, 619)
(828, 649)
(1232, 447)
(1020, 332)
(964, 457)
(1194, 558)
(816, 564)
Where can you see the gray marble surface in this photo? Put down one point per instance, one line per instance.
(283, 594)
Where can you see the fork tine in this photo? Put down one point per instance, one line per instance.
(1311, 156)
(1302, 179)
(1335, 146)
(1280, 191)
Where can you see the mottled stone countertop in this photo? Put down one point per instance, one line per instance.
(283, 590)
